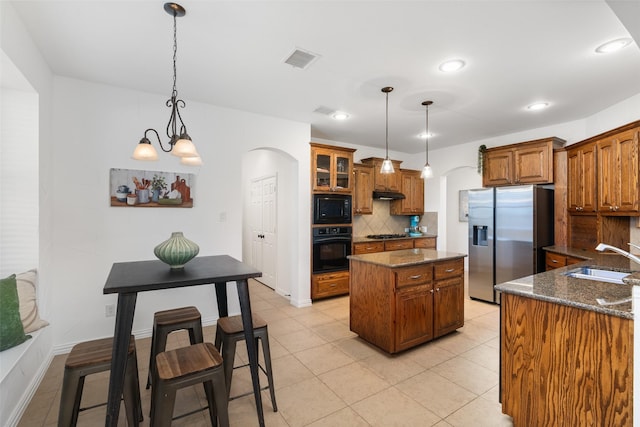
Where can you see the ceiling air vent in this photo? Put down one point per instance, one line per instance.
(301, 58)
(324, 110)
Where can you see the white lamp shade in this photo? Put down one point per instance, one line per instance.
(191, 161)
(427, 172)
(387, 167)
(184, 148)
(145, 151)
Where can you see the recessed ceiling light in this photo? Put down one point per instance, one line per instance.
(538, 106)
(613, 45)
(452, 65)
(339, 115)
(423, 135)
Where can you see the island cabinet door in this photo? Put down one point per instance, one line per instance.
(414, 316)
(448, 303)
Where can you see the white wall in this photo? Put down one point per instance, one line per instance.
(96, 128)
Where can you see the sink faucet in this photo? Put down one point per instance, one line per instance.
(603, 246)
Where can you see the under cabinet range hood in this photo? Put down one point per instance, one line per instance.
(387, 195)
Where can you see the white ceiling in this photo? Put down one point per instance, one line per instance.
(231, 53)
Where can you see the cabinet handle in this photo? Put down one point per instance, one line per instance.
(437, 289)
(333, 285)
(431, 290)
(448, 270)
(417, 276)
(554, 261)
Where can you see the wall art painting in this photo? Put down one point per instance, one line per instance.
(147, 189)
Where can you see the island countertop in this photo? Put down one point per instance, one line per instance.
(554, 286)
(406, 257)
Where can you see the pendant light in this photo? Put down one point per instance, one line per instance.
(426, 170)
(387, 166)
(179, 140)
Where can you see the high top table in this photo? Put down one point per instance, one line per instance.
(128, 278)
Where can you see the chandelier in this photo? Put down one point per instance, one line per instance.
(179, 140)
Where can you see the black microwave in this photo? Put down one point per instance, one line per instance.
(332, 209)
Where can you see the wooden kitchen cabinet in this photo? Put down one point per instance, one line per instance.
(554, 260)
(563, 365)
(448, 300)
(329, 284)
(414, 313)
(617, 173)
(363, 177)
(425, 242)
(412, 186)
(384, 181)
(331, 168)
(524, 163)
(370, 247)
(396, 308)
(581, 178)
(396, 245)
(367, 247)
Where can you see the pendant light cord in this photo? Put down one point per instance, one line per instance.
(427, 135)
(386, 136)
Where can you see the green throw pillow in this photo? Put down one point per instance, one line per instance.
(11, 329)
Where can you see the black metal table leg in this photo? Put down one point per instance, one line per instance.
(122, 334)
(252, 349)
(221, 297)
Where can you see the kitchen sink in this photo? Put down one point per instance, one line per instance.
(598, 274)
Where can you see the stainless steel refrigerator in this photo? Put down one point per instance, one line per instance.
(508, 226)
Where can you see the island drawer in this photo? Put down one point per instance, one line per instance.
(417, 275)
(367, 247)
(446, 269)
(395, 245)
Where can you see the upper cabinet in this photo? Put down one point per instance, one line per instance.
(581, 178)
(618, 172)
(412, 186)
(382, 181)
(528, 162)
(363, 176)
(603, 172)
(331, 168)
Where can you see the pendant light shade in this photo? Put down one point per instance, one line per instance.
(387, 166)
(427, 172)
(179, 141)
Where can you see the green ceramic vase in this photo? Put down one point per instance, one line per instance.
(176, 251)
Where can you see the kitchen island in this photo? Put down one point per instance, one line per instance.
(566, 347)
(400, 299)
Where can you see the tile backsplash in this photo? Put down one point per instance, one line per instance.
(382, 222)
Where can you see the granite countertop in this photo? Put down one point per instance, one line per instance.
(554, 286)
(362, 239)
(406, 257)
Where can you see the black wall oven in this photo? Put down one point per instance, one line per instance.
(332, 209)
(331, 247)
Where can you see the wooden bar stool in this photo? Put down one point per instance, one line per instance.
(183, 367)
(89, 358)
(167, 321)
(228, 332)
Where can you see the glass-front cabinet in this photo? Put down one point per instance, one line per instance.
(331, 168)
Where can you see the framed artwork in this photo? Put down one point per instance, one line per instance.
(150, 189)
(463, 206)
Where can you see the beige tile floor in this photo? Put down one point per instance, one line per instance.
(326, 376)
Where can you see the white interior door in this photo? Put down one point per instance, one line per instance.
(264, 255)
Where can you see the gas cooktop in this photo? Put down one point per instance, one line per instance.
(385, 236)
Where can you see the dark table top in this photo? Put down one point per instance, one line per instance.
(141, 276)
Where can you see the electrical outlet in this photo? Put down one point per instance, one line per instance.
(109, 310)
